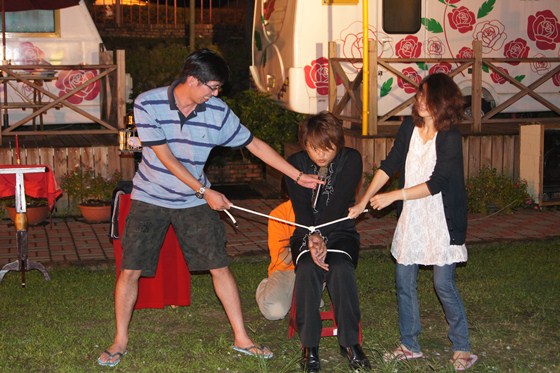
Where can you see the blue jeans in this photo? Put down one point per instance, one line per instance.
(409, 310)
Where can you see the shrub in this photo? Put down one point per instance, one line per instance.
(156, 63)
(87, 188)
(489, 191)
(266, 118)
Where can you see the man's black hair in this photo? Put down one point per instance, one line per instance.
(205, 65)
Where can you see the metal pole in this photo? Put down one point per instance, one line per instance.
(191, 25)
(3, 31)
(365, 69)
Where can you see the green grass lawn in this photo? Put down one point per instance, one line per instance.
(511, 292)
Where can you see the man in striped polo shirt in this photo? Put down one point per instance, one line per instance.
(178, 127)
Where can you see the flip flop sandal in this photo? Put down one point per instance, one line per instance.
(402, 353)
(110, 363)
(463, 363)
(251, 351)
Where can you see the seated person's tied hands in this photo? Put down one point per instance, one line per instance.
(318, 250)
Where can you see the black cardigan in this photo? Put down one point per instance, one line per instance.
(447, 177)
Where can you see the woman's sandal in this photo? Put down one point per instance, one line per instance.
(110, 362)
(402, 353)
(255, 351)
(461, 362)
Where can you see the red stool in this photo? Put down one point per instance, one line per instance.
(171, 286)
(326, 316)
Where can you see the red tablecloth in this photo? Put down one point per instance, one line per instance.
(172, 283)
(37, 184)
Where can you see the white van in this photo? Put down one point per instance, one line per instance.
(290, 46)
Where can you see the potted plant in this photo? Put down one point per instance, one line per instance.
(91, 192)
(37, 209)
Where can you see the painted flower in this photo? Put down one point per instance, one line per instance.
(544, 29)
(317, 75)
(452, 1)
(352, 43)
(434, 47)
(556, 79)
(268, 9)
(68, 80)
(491, 34)
(465, 52)
(29, 54)
(352, 46)
(517, 48)
(497, 78)
(442, 67)
(411, 74)
(461, 19)
(540, 67)
(409, 47)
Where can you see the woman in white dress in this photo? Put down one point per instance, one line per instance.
(432, 213)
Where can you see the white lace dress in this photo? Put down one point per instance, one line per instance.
(421, 236)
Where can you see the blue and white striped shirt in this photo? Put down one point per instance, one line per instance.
(159, 121)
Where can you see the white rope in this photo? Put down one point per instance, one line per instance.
(311, 228)
(232, 218)
(269, 217)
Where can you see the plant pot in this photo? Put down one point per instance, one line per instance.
(35, 214)
(96, 214)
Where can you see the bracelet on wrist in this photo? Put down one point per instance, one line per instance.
(298, 177)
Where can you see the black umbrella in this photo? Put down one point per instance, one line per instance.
(20, 5)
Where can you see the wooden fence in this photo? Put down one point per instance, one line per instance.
(496, 151)
(349, 107)
(32, 77)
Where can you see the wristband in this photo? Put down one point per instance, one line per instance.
(298, 177)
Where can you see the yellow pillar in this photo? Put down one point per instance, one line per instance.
(365, 69)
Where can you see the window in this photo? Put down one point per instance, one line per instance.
(401, 16)
(32, 23)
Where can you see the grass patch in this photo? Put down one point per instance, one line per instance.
(510, 291)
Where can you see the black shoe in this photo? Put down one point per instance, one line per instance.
(310, 360)
(356, 357)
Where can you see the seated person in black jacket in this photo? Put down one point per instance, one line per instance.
(328, 254)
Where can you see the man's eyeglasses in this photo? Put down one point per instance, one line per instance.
(217, 88)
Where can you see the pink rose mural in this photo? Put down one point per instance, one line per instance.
(70, 79)
(434, 47)
(317, 75)
(544, 29)
(491, 34)
(556, 79)
(540, 67)
(29, 54)
(409, 47)
(497, 78)
(443, 67)
(461, 19)
(411, 74)
(465, 52)
(352, 40)
(517, 48)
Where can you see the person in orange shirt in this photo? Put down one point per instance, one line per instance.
(274, 293)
